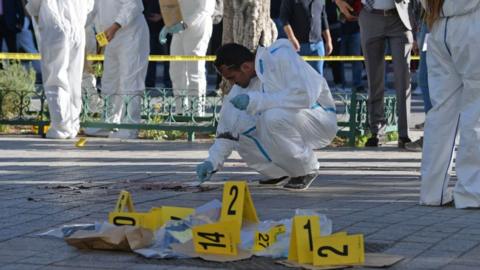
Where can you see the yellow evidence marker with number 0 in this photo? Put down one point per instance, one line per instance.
(339, 249)
(216, 238)
(152, 220)
(304, 230)
(102, 39)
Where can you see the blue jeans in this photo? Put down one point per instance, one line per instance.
(351, 46)
(314, 49)
(279, 25)
(25, 41)
(423, 70)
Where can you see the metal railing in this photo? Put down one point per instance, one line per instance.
(159, 111)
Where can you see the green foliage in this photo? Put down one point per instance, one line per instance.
(14, 77)
(161, 135)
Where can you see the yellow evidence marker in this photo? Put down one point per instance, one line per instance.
(304, 230)
(339, 250)
(263, 240)
(173, 213)
(81, 142)
(102, 39)
(216, 238)
(237, 206)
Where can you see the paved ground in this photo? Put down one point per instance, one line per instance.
(46, 183)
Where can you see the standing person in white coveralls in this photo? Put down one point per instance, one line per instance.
(62, 43)
(454, 79)
(278, 111)
(126, 60)
(188, 78)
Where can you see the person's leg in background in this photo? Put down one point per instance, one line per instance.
(401, 41)
(26, 43)
(280, 31)
(354, 48)
(373, 44)
(319, 49)
(167, 82)
(337, 66)
(178, 73)
(155, 49)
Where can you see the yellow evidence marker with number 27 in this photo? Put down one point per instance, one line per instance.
(263, 240)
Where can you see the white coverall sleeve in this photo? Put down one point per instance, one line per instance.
(129, 10)
(195, 14)
(222, 148)
(33, 7)
(290, 72)
(219, 152)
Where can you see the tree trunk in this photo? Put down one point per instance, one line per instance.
(247, 22)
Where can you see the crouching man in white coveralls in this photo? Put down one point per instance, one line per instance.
(454, 78)
(278, 111)
(62, 44)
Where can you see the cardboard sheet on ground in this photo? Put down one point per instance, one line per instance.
(126, 238)
(187, 250)
(373, 260)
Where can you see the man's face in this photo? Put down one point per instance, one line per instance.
(238, 75)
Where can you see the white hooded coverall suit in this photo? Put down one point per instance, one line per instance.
(126, 60)
(291, 112)
(454, 78)
(62, 30)
(188, 78)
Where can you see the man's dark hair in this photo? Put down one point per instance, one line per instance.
(233, 55)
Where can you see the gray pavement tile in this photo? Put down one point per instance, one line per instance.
(20, 266)
(459, 267)
(361, 191)
(31, 244)
(455, 245)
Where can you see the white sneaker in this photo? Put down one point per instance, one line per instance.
(97, 132)
(124, 134)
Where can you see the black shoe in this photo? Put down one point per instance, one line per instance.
(274, 181)
(403, 141)
(372, 141)
(301, 182)
(415, 146)
(359, 89)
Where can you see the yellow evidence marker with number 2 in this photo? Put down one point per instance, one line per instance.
(304, 230)
(237, 206)
(339, 249)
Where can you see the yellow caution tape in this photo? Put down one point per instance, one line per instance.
(182, 58)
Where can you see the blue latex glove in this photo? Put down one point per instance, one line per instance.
(176, 28)
(241, 101)
(204, 171)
